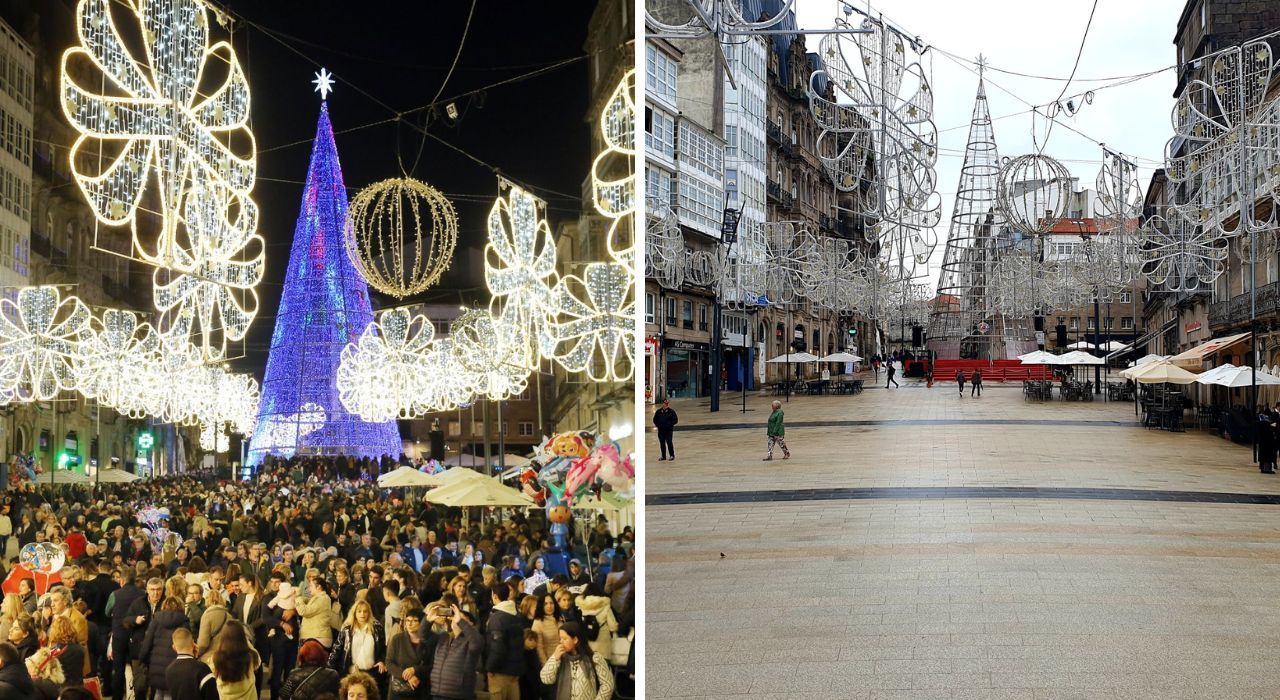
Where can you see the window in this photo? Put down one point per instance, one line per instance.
(526, 429)
(686, 314)
(730, 141)
(699, 150)
(660, 71)
(477, 427)
(648, 308)
(1126, 323)
(1091, 325)
(661, 130)
(671, 310)
(657, 185)
(1108, 323)
(699, 205)
(1075, 324)
(504, 428)
(1126, 297)
(455, 428)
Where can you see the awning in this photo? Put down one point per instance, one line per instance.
(1193, 358)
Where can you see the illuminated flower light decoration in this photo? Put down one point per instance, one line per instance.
(115, 364)
(615, 197)
(217, 300)
(595, 329)
(155, 117)
(1178, 255)
(382, 375)
(520, 265)
(495, 351)
(446, 383)
(42, 338)
(664, 252)
(385, 222)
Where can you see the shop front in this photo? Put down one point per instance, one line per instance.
(687, 365)
(738, 362)
(651, 376)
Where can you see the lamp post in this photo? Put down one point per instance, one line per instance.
(729, 235)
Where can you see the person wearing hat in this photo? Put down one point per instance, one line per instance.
(577, 575)
(665, 419)
(280, 618)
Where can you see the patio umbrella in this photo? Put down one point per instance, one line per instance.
(1148, 358)
(1113, 345)
(478, 492)
(1076, 357)
(593, 503)
(511, 460)
(117, 476)
(449, 476)
(1161, 372)
(840, 357)
(1080, 345)
(793, 358)
(62, 476)
(1236, 377)
(464, 460)
(407, 476)
(1038, 357)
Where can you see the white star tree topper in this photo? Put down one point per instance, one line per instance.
(323, 83)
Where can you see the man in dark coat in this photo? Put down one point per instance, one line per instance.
(15, 682)
(125, 597)
(665, 419)
(504, 645)
(136, 623)
(189, 678)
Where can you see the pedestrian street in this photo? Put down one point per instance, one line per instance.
(921, 544)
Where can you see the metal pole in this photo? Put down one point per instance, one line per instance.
(538, 388)
(1097, 322)
(502, 444)
(716, 355)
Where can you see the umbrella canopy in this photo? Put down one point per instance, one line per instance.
(1113, 345)
(407, 476)
(840, 357)
(593, 503)
(62, 476)
(116, 476)
(1076, 357)
(464, 460)
(449, 476)
(478, 492)
(510, 460)
(1159, 372)
(1236, 377)
(1148, 358)
(1081, 345)
(1038, 357)
(794, 358)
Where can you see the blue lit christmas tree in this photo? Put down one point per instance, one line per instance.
(325, 305)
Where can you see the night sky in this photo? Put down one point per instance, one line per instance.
(534, 131)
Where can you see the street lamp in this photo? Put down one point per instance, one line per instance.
(729, 235)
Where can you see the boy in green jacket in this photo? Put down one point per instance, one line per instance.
(776, 432)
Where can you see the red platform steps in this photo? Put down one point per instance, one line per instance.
(992, 370)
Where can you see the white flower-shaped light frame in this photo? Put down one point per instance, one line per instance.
(615, 197)
(216, 300)
(495, 351)
(664, 253)
(596, 330)
(116, 362)
(154, 116)
(42, 338)
(520, 264)
(381, 376)
(1180, 255)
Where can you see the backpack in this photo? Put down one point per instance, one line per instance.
(591, 625)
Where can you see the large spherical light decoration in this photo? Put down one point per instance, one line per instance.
(1033, 192)
(400, 234)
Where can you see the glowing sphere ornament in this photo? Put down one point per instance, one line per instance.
(400, 235)
(1033, 192)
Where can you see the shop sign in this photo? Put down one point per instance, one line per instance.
(687, 345)
(651, 345)
(1191, 327)
(737, 340)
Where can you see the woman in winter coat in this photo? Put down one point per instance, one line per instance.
(598, 607)
(312, 678)
(236, 664)
(576, 671)
(405, 655)
(23, 636)
(361, 645)
(547, 627)
(212, 622)
(65, 645)
(456, 657)
(316, 611)
(157, 646)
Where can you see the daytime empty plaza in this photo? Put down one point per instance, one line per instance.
(918, 544)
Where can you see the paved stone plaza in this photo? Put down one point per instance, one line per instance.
(1051, 580)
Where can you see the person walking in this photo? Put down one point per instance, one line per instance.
(1267, 443)
(960, 381)
(776, 432)
(977, 384)
(665, 419)
(890, 370)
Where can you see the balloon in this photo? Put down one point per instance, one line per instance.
(558, 514)
(615, 470)
(581, 474)
(29, 554)
(52, 558)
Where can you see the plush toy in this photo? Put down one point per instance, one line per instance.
(558, 514)
(570, 444)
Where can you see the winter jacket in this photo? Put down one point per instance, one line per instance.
(775, 424)
(340, 657)
(598, 606)
(504, 640)
(15, 683)
(157, 646)
(665, 419)
(189, 678)
(307, 682)
(137, 632)
(454, 665)
(316, 612)
(575, 677)
(211, 624)
(402, 653)
(244, 689)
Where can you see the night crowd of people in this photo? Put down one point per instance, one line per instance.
(308, 582)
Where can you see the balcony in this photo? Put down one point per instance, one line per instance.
(774, 131)
(1236, 311)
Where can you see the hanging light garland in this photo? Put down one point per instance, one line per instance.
(116, 362)
(381, 376)
(616, 198)
(42, 338)
(664, 252)
(1032, 193)
(400, 235)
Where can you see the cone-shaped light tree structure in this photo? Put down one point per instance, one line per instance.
(324, 306)
(962, 321)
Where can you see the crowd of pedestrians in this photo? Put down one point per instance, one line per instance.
(308, 582)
